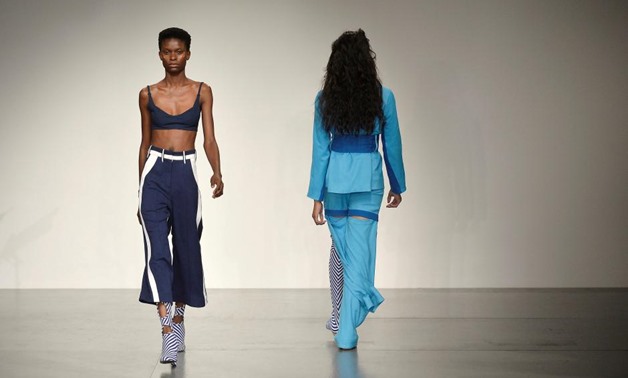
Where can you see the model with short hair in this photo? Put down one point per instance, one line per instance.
(169, 195)
(352, 112)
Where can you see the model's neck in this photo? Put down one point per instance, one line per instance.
(176, 79)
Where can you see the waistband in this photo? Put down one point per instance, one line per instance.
(354, 143)
(172, 155)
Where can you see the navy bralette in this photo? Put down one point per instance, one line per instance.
(188, 120)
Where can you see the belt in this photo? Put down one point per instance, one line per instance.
(354, 143)
(172, 155)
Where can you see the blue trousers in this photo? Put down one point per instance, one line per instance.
(170, 203)
(355, 244)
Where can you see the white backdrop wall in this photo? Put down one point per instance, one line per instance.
(514, 117)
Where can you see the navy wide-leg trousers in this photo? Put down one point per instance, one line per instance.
(170, 204)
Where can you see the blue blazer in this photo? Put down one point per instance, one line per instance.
(350, 172)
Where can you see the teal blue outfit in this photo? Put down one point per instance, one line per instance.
(346, 174)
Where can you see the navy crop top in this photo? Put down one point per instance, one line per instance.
(188, 120)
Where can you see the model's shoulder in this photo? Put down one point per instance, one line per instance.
(319, 94)
(387, 92)
(388, 97)
(204, 92)
(203, 87)
(150, 88)
(155, 86)
(144, 91)
(199, 83)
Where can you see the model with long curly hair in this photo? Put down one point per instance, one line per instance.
(352, 113)
(351, 98)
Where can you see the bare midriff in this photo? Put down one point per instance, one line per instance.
(173, 140)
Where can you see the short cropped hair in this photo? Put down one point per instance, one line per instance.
(176, 33)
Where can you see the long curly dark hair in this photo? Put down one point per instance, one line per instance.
(351, 99)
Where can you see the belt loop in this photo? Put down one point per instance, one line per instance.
(183, 157)
(162, 155)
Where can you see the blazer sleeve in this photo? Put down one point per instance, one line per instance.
(391, 143)
(320, 156)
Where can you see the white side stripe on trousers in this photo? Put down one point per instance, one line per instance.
(150, 163)
(199, 214)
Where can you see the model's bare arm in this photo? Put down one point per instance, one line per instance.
(209, 144)
(146, 137)
(146, 132)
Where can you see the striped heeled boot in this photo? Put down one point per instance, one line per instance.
(169, 340)
(179, 328)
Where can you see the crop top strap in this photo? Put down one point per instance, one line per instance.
(150, 97)
(199, 89)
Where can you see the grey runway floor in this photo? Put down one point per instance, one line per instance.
(280, 333)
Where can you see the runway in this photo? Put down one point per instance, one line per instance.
(280, 333)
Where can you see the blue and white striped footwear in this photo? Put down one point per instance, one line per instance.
(179, 328)
(168, 340)
(169, 349)
(332, 325)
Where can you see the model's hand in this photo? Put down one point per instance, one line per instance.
(317, 213)
(217, 185)
(394, 200)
